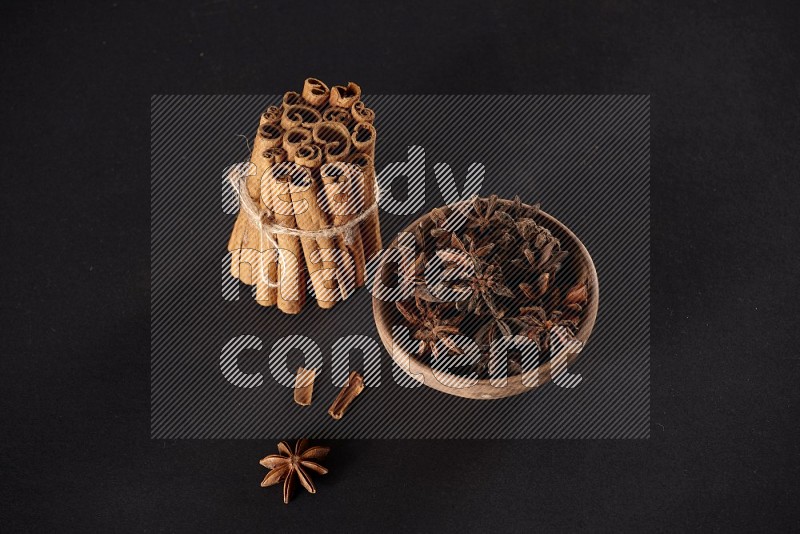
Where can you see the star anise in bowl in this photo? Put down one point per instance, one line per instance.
(487, 269)
(429, 327)
(538, 324)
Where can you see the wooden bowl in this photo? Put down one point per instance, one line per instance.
(387, 316)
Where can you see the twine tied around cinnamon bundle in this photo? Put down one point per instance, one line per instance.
(263, 218)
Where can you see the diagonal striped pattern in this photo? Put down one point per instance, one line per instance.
(585, 158)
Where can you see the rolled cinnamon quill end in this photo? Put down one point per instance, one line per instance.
(361, 113)
(293, 139)
(315, 93)
(291, 98)
(354, 386)
(364, 135)
(271, 115)
(300, 115)
(334, 137)
(340, 115)
(304, 386)
(345, 96)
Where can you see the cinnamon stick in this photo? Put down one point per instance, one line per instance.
(335, 141)
(290, 98)
(345, 96)
(304, 386)
(334, 138)
(310, 217)
(270, 115)
(268, 136)
(354, 386)
(293, 139)
(268, 275)
(345, 200)
(315, 93)
(363, 138)
(340, 115)
(291, 294)
(361, 113)
(300, 115)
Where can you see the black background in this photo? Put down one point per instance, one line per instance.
(76, 452)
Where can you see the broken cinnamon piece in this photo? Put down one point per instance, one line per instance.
(354, 386)
(304, 386)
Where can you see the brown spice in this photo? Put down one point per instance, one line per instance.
(304, 386)
(354, 386)
(290, 465)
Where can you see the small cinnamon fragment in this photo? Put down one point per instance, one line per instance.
(304, 386)
(354, 386)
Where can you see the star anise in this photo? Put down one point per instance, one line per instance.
(577, 297)
(419, 249)
(485, 215)
(482, 286)
(490, 257)
(430, 327)
(519, 210)
(469, 247)
(440, 233)
(546, 259)
(537, 324)
(288, 465)
(534, 292)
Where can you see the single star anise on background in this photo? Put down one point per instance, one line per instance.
(288, 465)
(430, 327)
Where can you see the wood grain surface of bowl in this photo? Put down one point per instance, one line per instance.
(387, 316)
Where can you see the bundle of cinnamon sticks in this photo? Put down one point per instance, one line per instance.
(312, 177)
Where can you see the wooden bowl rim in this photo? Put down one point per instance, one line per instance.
(482, 388)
